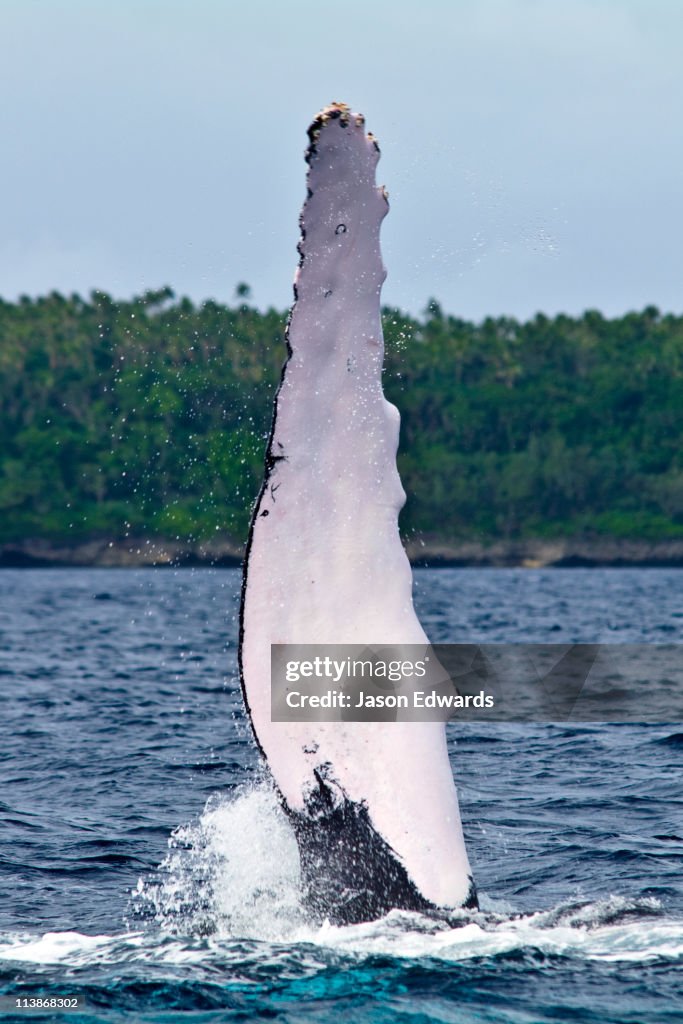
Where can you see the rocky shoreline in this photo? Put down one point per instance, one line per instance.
(529, 553)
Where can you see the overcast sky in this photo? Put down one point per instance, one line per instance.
(532, 149)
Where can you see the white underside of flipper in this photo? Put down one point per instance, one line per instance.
(325, 562)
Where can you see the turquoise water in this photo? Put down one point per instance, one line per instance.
(147, 871)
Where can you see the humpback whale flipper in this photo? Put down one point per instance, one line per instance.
(372, 804)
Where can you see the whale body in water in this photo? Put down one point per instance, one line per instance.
(373, 804)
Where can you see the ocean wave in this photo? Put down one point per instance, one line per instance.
(641, 933)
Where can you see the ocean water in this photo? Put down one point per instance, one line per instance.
(147, 870)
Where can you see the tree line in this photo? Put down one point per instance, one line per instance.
(150, 416)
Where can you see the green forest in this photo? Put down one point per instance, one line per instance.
(149, 417)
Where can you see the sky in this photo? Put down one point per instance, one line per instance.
(532, 149)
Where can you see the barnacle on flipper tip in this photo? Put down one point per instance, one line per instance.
(333, 110)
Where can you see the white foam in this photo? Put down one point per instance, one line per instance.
(53, 947)
(399, 936)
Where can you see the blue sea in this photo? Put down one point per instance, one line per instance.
(147, 871)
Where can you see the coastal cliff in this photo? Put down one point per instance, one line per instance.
(531, 553)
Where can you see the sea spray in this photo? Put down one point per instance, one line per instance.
(233, 873)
